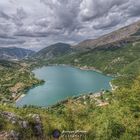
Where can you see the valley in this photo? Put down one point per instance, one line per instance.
(114, 115)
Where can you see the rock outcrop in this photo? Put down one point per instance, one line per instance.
(35, 125)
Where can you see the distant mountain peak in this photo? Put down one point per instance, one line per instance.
(14, 53)
(54, 50)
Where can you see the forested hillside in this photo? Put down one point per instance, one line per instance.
(123, 62)
(15, 78)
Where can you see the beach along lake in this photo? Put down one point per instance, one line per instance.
(62, 82)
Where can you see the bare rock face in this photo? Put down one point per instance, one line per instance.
(3, 135)
(13, 135)
(24, 124)
(37, 128)
(10, 117)
(37, 119)
(14, 119)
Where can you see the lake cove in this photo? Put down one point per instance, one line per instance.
(62, 82)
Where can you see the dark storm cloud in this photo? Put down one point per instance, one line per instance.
(3, 15)
(92, 9)
(29, 34)
(134, 9)
(19, 16)
(107, 25)
(107, 22)
(64, 14)
(38, 23)
(4, 36)
(10, 41)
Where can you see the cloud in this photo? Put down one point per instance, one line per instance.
(91, 9)
(10, 41)
(64, 14)
(109, 21)
(37, 23)
(4, 15)
(19, 16)
(133, 9)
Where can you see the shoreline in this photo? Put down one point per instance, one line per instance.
(81, 68)
(113, 87)
(84, 68)
(75, 98)
(94, 69)
(88, 68)
(19, 97)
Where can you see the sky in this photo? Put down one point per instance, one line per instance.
(35, 24)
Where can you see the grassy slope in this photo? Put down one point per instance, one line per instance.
(120, 120)
(123, 61)
(14, 78)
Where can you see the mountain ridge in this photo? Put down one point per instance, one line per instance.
(102, 122)
(113, 40)
(54, 50)
(14, 53)
(122, 35)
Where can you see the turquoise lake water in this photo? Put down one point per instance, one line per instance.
(62, 82)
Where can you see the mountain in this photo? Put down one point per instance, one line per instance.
(116, 53)
(53, 51)
(14, 53)
(101, 121)
(115, 39)
(8, 64)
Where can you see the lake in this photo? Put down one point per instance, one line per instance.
(62, 82)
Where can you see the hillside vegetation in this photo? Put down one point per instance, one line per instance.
(53, 51)
(123, 62)
(114, 115)
(119, 120)
(14, 79)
